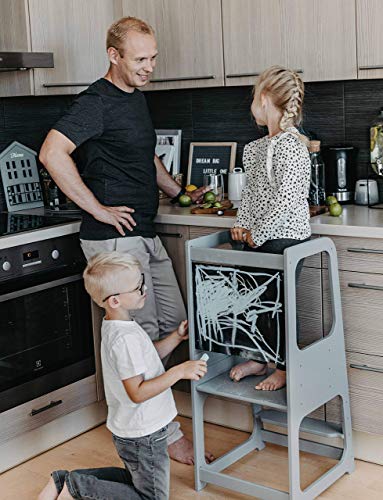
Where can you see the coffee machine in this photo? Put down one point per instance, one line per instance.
(340, 168)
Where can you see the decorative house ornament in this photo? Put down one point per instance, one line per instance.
(20, 178)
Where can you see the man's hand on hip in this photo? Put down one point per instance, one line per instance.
(119, 217)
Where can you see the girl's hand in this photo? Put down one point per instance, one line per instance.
(182, 330)
(249, 240)
(238, 233)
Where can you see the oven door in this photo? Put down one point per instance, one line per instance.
(46, 339)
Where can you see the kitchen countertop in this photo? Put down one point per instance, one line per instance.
(356, 221)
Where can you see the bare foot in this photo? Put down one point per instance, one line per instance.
(246, 369)
(182, 451)
(65, 495)
(49, 492)
(275, 381)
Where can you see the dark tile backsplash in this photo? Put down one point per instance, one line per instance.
(335, 112)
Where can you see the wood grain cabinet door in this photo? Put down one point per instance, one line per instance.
(365, 377)
(14, 36)
(321, 38)
(362, 308)
(173, 238)
(75, 31)
(370, 38)
(189, 37)
(253, 33)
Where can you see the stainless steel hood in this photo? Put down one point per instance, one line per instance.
(18, 61)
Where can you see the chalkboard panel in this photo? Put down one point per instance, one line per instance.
(210, 158)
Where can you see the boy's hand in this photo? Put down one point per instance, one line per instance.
(193, 370)
(182, 330)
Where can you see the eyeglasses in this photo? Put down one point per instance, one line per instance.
(140, 288)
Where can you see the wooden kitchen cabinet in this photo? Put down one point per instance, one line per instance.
(189, 36)
(173, 238)
(365, 376)
(75, 31)
(321, 39)
(254, 38)
(362, 299)
(314, 37)
(44, 409)
(14, 36)
(369, 17)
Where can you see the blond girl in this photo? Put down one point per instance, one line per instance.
(274, 212)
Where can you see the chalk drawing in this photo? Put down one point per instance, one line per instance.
(236, 310)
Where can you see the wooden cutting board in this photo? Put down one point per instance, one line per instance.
(226, 206)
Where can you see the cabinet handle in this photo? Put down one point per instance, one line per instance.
(367, 287)
(367, 368)
(67, 84)
(364, 250)
(366, 68)
(169, 235)
(182, 78)
(244, 75)
(52, 404)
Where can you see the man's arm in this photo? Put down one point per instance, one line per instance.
(55, 156)
(170, 187)
(140, 390)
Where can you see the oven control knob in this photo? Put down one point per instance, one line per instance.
(55, 254)
(6, 265)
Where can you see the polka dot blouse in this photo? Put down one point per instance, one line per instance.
(274, 202)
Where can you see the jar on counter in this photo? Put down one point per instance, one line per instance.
(317, 193)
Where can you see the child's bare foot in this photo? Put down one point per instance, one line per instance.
(275, 381)
(182, 451)
(245, 369)
(65, 495)
(49, 492)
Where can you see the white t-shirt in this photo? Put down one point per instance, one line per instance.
(127, 351)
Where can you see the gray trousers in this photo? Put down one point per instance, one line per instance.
(164, 308)
(146, 473)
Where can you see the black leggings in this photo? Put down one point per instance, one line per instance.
(277, 247)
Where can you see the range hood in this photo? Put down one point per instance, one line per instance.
(18, 61)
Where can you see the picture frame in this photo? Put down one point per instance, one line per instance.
(210, 158)
(168, 149)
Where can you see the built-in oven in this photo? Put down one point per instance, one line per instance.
(46, 338)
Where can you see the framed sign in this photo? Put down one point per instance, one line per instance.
(210, 158)
(168, 149)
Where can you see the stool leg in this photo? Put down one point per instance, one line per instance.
(198, 438)
(347, 432)
(293, 454)
(256, 435)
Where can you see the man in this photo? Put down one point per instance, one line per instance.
(110, 127)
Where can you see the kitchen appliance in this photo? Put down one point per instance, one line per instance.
(237, 181)
(366, 192)
(340, 168)
(15, 61)
(46, 339)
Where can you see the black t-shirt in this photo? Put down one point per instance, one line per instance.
(115, 141)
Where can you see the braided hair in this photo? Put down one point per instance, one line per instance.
(286, 90)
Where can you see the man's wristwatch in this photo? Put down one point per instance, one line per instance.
(176, 198)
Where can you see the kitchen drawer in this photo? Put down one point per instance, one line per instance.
(71, 397)
(365, 375)
(198, 231)
(364, 255)
(362, 306)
